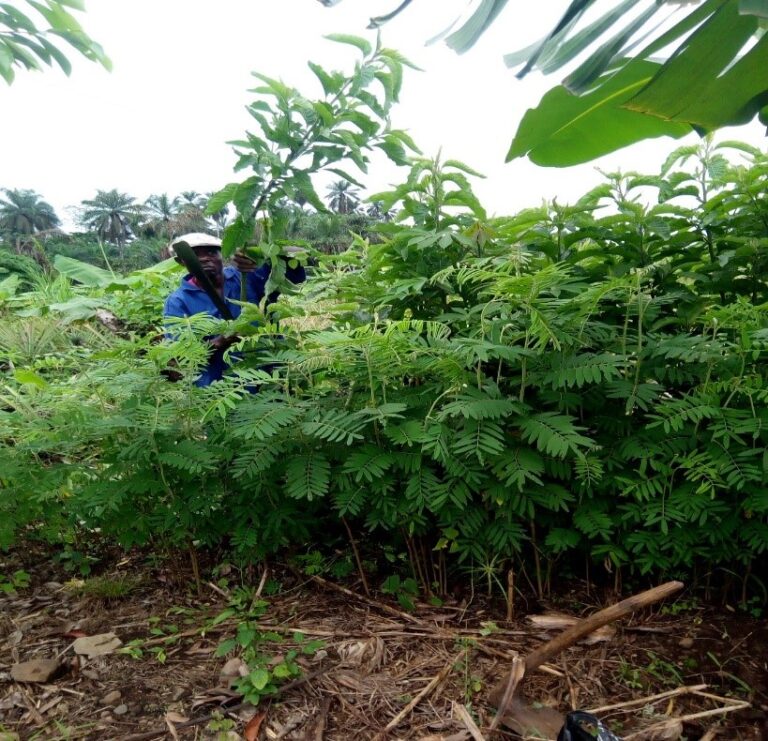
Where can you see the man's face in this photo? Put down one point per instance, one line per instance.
(210, 259)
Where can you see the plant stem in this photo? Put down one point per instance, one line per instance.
(537, 561)
(358, 560)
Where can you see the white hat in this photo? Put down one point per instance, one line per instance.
(198, 239)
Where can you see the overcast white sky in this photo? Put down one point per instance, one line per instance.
(160, 120)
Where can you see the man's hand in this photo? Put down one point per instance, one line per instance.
(243, 263)
(223, 342)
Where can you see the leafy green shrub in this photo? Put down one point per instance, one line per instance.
(573, 382)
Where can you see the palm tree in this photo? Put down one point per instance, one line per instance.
(110, 214)
(191, 213)
(23, 214)
(189, 198)
(161, 213)
(342, 197)
(327, 232)
(375, 211)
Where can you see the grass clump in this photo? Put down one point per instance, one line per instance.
(107, 588)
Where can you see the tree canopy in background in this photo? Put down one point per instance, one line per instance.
(24, 213)
(646, 68)
(24, 43)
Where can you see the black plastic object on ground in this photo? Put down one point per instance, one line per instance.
(580, 726)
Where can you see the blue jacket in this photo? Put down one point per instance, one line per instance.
(188, 300)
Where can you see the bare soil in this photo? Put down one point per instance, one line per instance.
(374, 662)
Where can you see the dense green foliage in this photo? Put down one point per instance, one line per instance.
(570, 385)
(584, 381)
(24, 268)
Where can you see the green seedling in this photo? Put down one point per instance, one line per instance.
(11, 584)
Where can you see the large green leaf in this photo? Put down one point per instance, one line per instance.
(83, 272)
(566, 129)
(78, 308)
(701, 84)
(344, 38)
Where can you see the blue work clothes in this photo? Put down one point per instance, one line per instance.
(188, 300)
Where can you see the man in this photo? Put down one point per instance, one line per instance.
(190, 299)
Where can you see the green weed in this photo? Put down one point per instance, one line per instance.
(11, 583)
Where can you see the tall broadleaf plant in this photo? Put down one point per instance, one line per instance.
(299, 136)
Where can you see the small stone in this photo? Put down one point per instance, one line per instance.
(98, 645)
(686, 642)
(319, 656)
(246, 712)
(90, 674)
(52, 586)
(178, 693)
(111, 698)
(39, 670)
(232, 668)
(120, 710)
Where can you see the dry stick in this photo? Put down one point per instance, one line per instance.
(322, 720)
(358, 561)
(572, 691)
(584, 627)
(262, 582)
(686, 718)
(222, 592)
(174, 637)
(648, 700)
(195, 567)
(464, 716)
(231, 709)
(510, 594)
(718, 698)
(515, 677)
(374, 603)
(433, 683)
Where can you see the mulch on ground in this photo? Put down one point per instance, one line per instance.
(380, 672)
